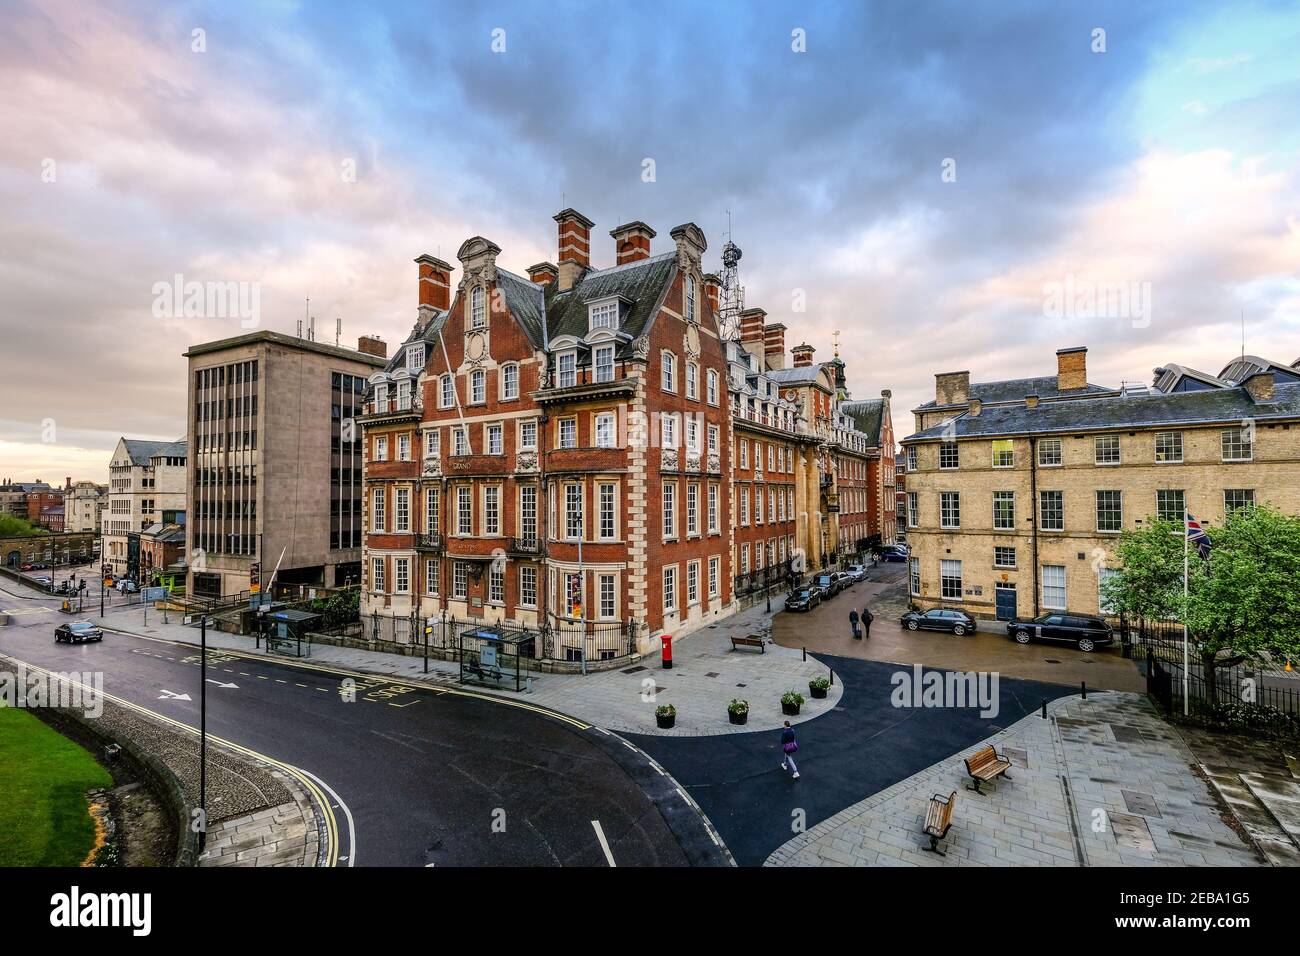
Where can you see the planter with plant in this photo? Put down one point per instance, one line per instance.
(665, 716)
(818, 687)
(738, 711)
(791, 701)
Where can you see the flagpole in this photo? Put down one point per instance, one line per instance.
(1185, 662)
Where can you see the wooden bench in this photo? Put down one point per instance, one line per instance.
(750, 640)
(986, 764)
(938, 819)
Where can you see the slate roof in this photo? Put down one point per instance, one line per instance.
(1127, 411)
(797, 375)
(140, 451)
(428, 334)
(643, 283)
(868, 416)
(1015, 389)
(526, 301)
(172, 449)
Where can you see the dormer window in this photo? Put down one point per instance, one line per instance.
(603, 315)
(415, 358)
(567, 369)
(477, 310)
(381, 398)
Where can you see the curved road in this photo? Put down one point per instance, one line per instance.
(416, 776)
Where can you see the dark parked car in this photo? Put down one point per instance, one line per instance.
(76, 632)
(829, 584)
(893, 554)
(1086, 631)
(939, 619)
(804, 599)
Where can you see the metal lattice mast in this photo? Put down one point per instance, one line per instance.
(731, 297)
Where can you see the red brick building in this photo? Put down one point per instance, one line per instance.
(549, 451)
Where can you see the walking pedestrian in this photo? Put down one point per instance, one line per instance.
(853, 624)
(788, 746)
(867, 618)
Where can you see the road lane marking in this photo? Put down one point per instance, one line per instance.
(308, 779)
(604, 844)
(362, 676)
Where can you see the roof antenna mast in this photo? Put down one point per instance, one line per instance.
(731, 297)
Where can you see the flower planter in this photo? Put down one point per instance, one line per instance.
(817, 693)
(665, 721)
(736, 718)
(790, 710)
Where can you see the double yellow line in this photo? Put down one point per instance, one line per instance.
(331, 823)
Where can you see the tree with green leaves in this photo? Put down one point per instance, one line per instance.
(1243, 599)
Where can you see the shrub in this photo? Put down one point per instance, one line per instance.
(738, 706)
(792, 697)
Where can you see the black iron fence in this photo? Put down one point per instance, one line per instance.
(1234, 697)
(756, 585)
(568, 641)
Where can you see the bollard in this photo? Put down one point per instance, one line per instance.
(805, 653)
(1044, 708)
(832, 678)
(1083, 689)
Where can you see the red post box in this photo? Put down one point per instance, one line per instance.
(667, 641)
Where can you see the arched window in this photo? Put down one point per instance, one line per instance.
(477, 313)
(690, 298)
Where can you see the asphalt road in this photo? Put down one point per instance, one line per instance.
(864, 745)
(419, 776)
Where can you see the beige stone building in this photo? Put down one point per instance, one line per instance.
(275, 464)
(1017, 490)
(146, 485)
(84, 505)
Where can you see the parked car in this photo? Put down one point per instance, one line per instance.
(846, 580)
(126, 586)
(28, 567)
(828, 583)
(858, 572)
(1086, 631)
(44, 580)
(76, 632)
(897, 553)
(804, 599)
(939, 619)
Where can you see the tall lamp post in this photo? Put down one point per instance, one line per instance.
(203, 731)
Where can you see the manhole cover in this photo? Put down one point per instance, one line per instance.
(742, 685)
(1126, 735)
(633, 670)
(1050, 661)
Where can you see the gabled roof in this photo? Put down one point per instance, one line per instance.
(1205, 407)
(526, 301)
(1181, 378)
(868, 416)
(174, 449)
(428, 334)
(1015, 389)
(643, 283)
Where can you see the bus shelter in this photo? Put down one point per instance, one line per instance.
(287, 631)
(493, 656)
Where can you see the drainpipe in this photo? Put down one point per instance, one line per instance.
(1033, 515)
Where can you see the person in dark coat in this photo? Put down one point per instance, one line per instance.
(867, 618)
(788, 746)
(853, 623)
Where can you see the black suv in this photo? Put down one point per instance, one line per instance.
(828, 584)
(804, 599)
(1086, 631)
(939, 619)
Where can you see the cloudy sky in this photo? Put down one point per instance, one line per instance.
(924, 178)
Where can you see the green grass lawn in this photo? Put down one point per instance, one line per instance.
(44, 820)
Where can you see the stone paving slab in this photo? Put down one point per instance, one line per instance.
(1066, 808)
(706, 674)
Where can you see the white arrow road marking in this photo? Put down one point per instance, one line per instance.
(604, 844)
(172, 695)
(220, 684)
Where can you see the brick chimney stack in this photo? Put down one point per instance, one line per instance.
(774, 345)
(543, 273)
(372, 345)
(574, 246)
(751, 333)
(435, 283)
(1072, 369)
(632, 242)
(803, 355)
(952, 388)
(712, 290)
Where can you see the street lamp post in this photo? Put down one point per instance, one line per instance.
(203, 731)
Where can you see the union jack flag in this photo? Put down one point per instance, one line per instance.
(1196, 535)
